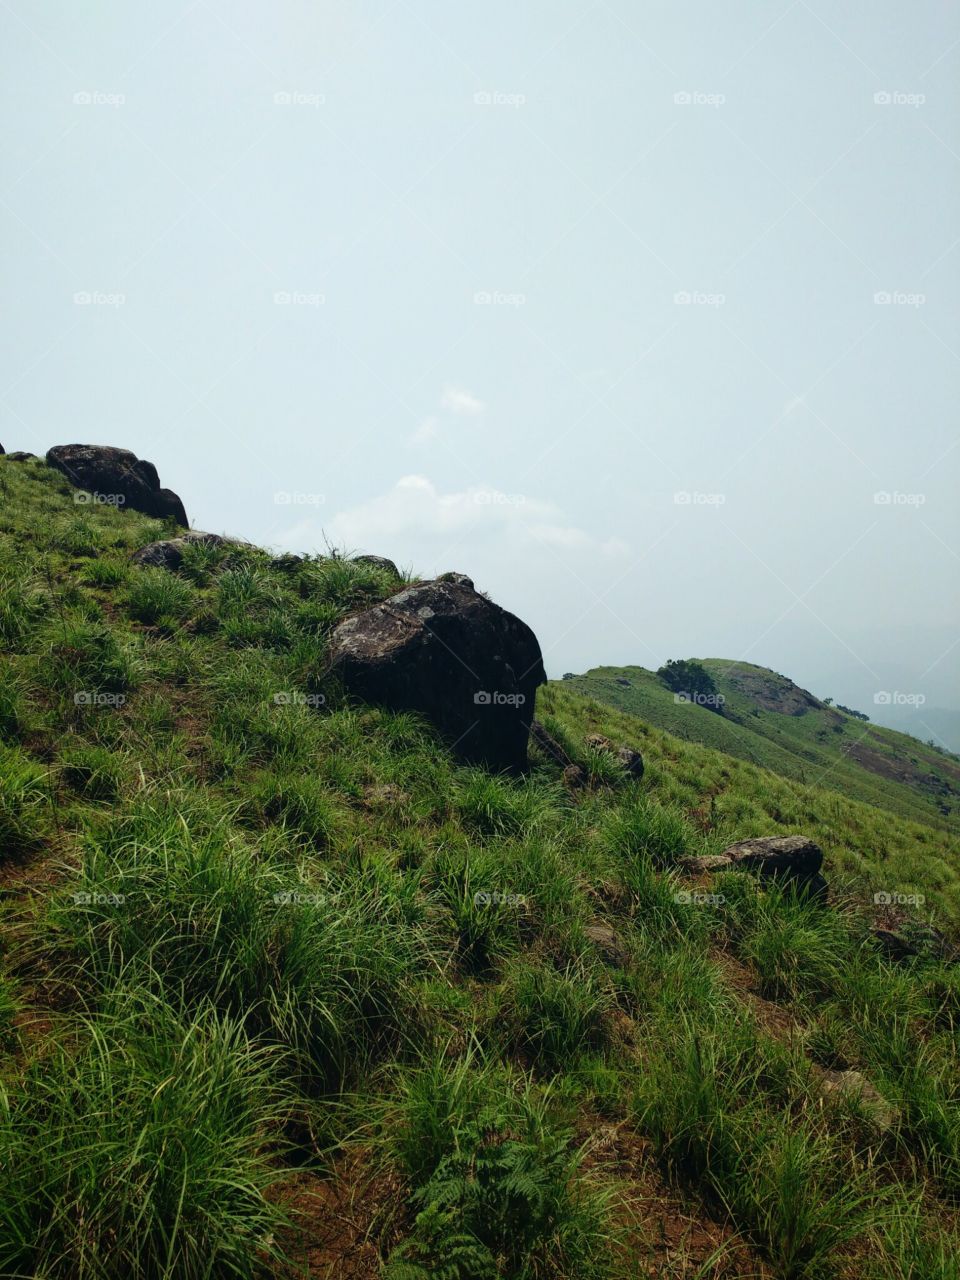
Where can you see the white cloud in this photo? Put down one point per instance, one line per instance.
(414, 512)
(458, 400)
(428, 429)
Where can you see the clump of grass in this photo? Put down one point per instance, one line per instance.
(142, 1153)
(24, 802)
(303, 806)
(551, 1016)
(106, 571)
(13, 705)
(86, 657)
(78, 537)
(487, 914)
(22, 606)
(95, 772)
(496, 1186)
(326, 965)
(158, 598)
(640, 827)
(492, 804)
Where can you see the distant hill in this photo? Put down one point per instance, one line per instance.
(767, 719)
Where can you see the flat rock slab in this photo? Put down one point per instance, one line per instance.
(789, 856)
(443, 650)
(856, 1087)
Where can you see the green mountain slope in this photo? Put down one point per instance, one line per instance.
(286, 990)
(771, 722)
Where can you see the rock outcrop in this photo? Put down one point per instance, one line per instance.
(450, 654)
(793, 860)
(117, 476)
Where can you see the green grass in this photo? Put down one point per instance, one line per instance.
(251, 934)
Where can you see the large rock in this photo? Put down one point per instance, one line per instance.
(117, 476)
(447, 652)
(168, 554)
(790, 857)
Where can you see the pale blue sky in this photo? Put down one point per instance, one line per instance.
(383, 164)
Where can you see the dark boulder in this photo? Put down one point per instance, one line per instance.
(790, 857)
(168, 554)
(703, 863)
(450, 654)
(631, 761)
(460, 578)
(792, 861)
(575, 777)
(117, 476)
(20, 456)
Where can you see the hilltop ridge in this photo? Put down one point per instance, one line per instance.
(288, 987)
(768, 719)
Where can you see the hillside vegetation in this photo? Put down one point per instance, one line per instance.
(770, 721)
(285, 990)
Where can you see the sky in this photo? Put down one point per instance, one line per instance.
(645, 316)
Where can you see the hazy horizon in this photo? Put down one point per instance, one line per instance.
(647, 321)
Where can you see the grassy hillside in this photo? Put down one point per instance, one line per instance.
(285, 990)
(769, 721)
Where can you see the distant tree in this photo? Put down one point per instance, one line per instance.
(828, 702)
(568, 675)
(693, 681)
(849, 711)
